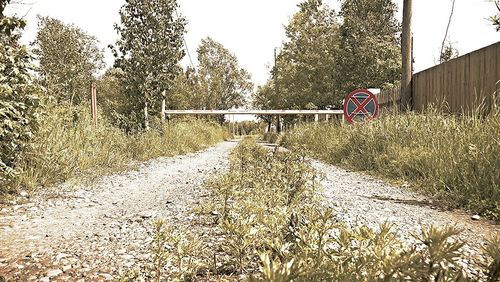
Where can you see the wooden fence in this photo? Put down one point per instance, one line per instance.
(458, 85)
(389, 97)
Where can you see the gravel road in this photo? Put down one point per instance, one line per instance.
(363, 200)
(100, 233)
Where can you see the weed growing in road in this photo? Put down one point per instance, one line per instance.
(492, 249)
(272, 225)
(174, 251)
(271, 137)
(456, 159)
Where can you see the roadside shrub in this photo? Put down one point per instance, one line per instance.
(18, 98)
(456, 159)
(177, 247)
(67, 145)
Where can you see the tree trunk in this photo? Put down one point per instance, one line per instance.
(146, 116)
(406, 47)
(163, 107)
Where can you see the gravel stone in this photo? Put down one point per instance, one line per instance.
(54, 273)
(107, 277)
(147, 214)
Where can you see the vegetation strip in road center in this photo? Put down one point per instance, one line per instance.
(265, 220)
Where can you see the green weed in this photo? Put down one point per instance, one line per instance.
(176, 248)
(273, 225)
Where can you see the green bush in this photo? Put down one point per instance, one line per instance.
(456, 159)
(18, 97)
(67, 145)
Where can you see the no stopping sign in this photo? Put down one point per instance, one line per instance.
(360, 104)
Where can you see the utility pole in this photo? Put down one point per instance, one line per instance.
(406, 52)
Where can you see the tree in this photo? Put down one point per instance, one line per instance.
(447, 49)
(324, 58)
(306, 69)
(223, 82)
(69, 59)
(149, 51)
(264, 99)
(448, 52)
(496, 18)
(18, 96)
(187, 93)
(370, 53)
(113, 100)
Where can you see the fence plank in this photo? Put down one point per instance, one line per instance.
(490, 75)
(452, 90)
(414, 89)
(475, 87)
(465, 94)
(461, 83)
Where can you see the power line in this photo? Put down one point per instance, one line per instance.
(189, 54)
(448, 27)
(185, 44)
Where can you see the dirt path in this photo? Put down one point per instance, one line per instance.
(361, 199)
(101, 233)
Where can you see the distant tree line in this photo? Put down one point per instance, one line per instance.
(147, 77)
(328, 54)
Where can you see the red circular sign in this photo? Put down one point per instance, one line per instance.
(360, 104)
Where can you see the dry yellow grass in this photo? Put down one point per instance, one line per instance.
(456, 159)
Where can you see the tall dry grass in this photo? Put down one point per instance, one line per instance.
(454, 158)
(67, 145)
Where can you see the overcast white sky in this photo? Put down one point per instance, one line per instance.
(251, 29)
